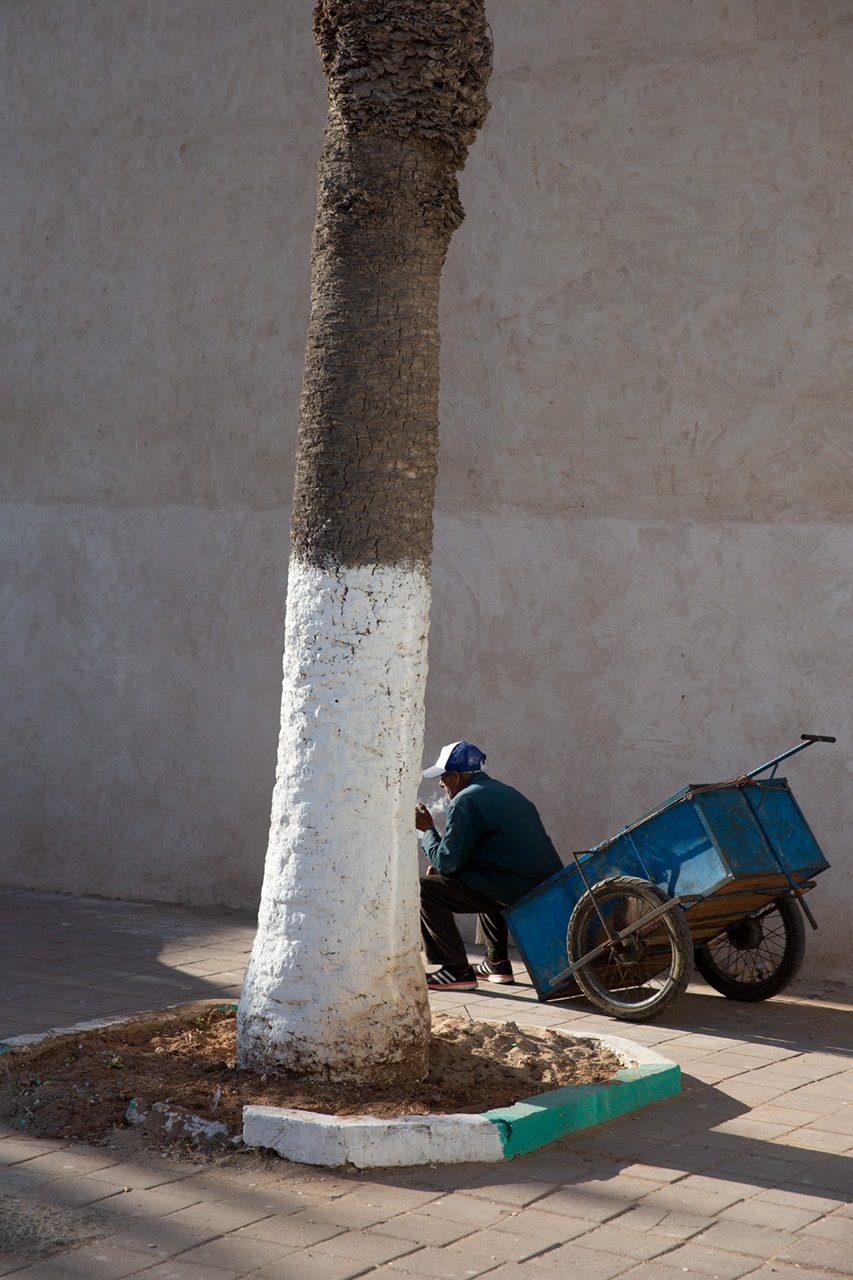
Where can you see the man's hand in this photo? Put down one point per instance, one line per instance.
(423, 818)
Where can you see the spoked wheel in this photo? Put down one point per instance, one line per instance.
(757, 957)
(637, 978)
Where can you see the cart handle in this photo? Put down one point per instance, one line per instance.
(807, 740)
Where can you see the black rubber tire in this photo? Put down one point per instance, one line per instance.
(757, 957)
(655, 965)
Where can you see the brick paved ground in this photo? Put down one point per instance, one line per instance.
(748, 1173)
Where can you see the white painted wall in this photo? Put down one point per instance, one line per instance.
(643, 530)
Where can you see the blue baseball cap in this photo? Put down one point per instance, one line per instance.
(457, 757)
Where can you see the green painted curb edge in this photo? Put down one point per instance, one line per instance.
(533, 1122)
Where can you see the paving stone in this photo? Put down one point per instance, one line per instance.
(654, 1174)
(180, 1269)
(665, 1224)
(504, 1245)
(654, 1269)
(239, 1252)
(589, 1205)
(821, 1254)
(747, 1126)
(16, 1150)
(758, 1212)
(696, 1202)
(837, 1226)
(757, 1167)
(799, 1198)
(305, 1183)
(347, 1213)
(149, 1203)
(75, 1192)
(509, 1188)
(373, 1247)
(693, 1257)
(620, 1186)
(817, 1099)
(834, 1175)
(821, 1144)
(519, 1270)
(783, 1110)
(711, 1072)
(574, 1260)
(777, 1270)
(616, 1237)
(683, 1157)
(296, 1230)
(744, 1089)
(467, 1209)
(376, 1202)
(836, 1122)
(307, 1266)
(548, 1229)
(93, 1262)
(738, 1237)
(423, 1229)
(697, 1041)
(665, 1118)
(448, 1263)
(218, 1217)
(138, 1175)
(273, 1200)
(776, 1077)
(439, 1179)
(841, 1085)
(160, 1238)
(65, 1162)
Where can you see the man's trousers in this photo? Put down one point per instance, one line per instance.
(442, 897)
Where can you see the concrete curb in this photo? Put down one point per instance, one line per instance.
(367, 1142)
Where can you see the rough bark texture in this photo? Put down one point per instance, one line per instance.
(335, 985)
(406, 94)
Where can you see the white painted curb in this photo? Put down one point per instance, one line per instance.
(369, 1142)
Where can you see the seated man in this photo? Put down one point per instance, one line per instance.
(494, 851)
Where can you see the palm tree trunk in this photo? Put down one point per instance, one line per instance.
(335, 983)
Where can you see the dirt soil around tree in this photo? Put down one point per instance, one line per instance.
(83, 1086)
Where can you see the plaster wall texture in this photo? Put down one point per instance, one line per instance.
(644, 523)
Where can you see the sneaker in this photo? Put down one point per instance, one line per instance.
(452, 980)
(494, 970)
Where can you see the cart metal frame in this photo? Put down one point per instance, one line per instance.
(715, 873)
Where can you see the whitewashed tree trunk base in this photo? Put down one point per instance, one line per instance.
(335, 984)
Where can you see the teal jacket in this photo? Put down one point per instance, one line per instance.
(494, 841)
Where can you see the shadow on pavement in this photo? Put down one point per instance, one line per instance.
(68, 960)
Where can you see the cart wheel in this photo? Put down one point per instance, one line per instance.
(645, 973)
(757, 957)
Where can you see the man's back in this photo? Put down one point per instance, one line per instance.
(494, 841)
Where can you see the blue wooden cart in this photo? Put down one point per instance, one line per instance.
(716, 875)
